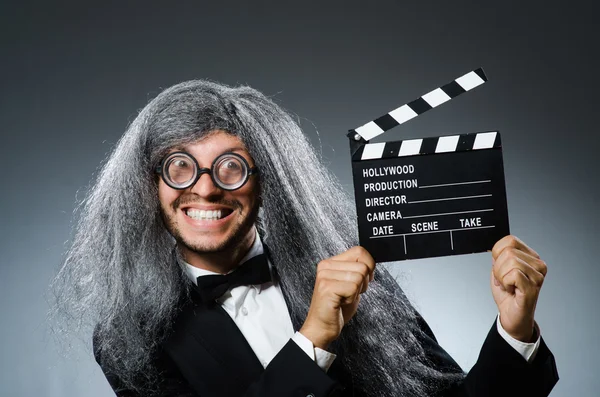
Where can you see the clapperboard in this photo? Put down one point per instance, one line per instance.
(428, 197)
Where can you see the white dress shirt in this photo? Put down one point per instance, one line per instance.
(261, 314)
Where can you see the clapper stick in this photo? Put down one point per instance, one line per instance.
(428, 197)
(419, 106)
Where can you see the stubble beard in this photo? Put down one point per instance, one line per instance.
(236, 236)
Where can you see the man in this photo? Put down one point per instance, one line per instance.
(307, 313)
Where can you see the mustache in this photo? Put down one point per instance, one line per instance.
(194, 198)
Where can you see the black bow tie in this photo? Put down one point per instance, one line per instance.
(253, 271)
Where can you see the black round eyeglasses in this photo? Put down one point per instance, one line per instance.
(229, 171)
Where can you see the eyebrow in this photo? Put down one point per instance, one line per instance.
(179, 148)
(234, 149)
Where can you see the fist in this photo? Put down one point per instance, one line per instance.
(340, 281)
(517, 276)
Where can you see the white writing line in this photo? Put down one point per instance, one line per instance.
(451, 240)
(454, 184)
(449, 198)
(434, 231)
(405, 244)
(446, 213)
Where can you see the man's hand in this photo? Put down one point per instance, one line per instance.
(340, 281)
(517, 277)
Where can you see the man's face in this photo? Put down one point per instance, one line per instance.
(184, 210)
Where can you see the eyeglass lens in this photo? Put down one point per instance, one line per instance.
(180, 169)
(230, 171)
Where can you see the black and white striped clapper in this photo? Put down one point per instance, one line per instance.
(428, 197)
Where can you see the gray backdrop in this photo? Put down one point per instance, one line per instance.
(73, 77)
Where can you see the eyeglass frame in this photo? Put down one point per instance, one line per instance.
(203, 170)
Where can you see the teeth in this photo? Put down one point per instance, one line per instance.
(204, 215)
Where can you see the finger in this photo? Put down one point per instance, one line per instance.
(357, 254)
(516, 281)
(514, 257)
(358, 267)
(512, 242)
(356, 278)
(344, 291)
(512, 261)
(495, 281)
(344, 265)
(535, 262)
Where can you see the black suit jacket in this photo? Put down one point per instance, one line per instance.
(206, 355)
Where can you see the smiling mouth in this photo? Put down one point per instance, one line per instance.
(210, 215)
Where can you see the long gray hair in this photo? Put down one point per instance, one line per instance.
(120, 273)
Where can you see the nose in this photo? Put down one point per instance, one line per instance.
(205, 187)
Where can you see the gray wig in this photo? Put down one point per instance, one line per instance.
(120, 273)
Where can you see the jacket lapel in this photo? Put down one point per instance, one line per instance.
(210, 351)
